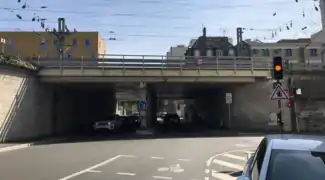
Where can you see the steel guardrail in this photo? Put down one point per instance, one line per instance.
(163, 62)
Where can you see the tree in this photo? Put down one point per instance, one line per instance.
(15, 61)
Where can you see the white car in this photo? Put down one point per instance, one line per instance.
(287, 157)
(109, 123)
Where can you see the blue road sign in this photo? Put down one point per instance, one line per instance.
(142, 105)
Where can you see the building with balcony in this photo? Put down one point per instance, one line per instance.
(45, 44)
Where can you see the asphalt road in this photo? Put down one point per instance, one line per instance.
(147, 159)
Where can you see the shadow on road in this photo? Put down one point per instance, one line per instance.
(233, 174)
(142, 136)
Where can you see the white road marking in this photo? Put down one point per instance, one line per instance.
(223, 176)
(209, 161)
(94, 171)
(155, 157)
(207, 171)
(244, 145)
(130, 156)
(162, 177)
(230, 165)
(126, 174)
(163, 169)
(187, 160)
(91, 168)
(206, 178)
(234, 156)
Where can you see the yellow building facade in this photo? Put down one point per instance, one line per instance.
(45, 44)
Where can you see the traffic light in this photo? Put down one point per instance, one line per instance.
(289, 105)
(277, 68)
(279, 118)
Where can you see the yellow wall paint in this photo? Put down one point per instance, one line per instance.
(28, 44)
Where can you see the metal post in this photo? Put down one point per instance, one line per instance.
(294, 123)
(229, 116)
(293, 120)
(279, 108)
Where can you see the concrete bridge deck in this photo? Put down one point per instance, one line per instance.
(156, 61)
(116, 68)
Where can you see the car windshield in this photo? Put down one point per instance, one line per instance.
(171, 115)
(111, 117)
(296, 165)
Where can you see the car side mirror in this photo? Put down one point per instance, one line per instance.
(242, 178)
(249, 155)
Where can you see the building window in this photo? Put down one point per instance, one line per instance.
(288, 52)
(55, 43)
(197, 53)
(74, 42)
(255, 51)
(231, 52)
(313, 52)
(277, 51)
(219, 53)
(43, 41)
(209, 53)
(87, 42)
(265, 52)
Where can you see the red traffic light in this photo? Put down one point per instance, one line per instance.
(289, 105)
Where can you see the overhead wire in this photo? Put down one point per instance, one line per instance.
(26, 7)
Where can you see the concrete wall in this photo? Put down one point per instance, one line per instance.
(25, 106)
(252, 106)
(310, 106)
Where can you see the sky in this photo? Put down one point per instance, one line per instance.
(151, 27)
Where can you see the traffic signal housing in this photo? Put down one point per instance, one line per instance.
(277, 68)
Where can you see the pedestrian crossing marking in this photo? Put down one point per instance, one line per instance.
(222, 176)
(234, 157)
(227, 164)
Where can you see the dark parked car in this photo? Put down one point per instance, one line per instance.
(169, 121)
(136, 120)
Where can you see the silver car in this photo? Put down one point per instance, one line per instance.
(287, 157)
(109, 123)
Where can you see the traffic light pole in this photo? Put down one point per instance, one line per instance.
(294, 123)
(279, 108)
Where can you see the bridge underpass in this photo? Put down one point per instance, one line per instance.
(76, 106)
(82, 103)
(47, 109)
(204, 102)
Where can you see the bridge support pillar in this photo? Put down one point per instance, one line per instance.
(151, 114)
(111, 101)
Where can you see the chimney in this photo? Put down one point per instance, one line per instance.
(204, 32)
(239, 40)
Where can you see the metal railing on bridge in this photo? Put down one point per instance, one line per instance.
(153, 62)
(110, 61)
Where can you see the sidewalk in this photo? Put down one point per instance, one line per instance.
(6, 147)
